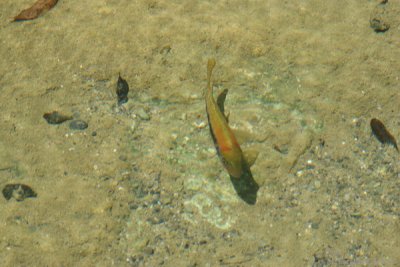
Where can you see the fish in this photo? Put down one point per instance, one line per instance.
(382, 134)
(122, 90)
(225, 142)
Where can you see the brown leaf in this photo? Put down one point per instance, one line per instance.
(36, 10)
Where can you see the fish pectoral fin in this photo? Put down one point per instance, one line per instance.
(250, 156)
(243, 136)
(221, 100)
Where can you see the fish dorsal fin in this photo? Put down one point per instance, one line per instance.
(221, 101)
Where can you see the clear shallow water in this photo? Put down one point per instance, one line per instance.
(143, 185)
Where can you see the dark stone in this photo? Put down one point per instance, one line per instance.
(18, 191)
(56, 118)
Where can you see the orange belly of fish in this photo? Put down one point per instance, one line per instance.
(228, 143)
(225, 148)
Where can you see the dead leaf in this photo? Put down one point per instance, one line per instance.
(38, 8)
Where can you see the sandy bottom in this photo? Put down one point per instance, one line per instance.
(143, 186)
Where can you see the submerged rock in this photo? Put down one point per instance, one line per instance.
(78, 125)
(56, 118)
(18, 191)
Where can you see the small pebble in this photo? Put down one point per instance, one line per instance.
(78, 125)
(56, 118)
(123, 158)
(143, 114)
(18, 191)
(166, 49)
(379, 18)
(378, 25)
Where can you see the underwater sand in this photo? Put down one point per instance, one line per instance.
(143, 186)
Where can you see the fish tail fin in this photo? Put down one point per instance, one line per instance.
(210, 66)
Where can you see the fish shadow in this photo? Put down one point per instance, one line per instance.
(246, 187)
